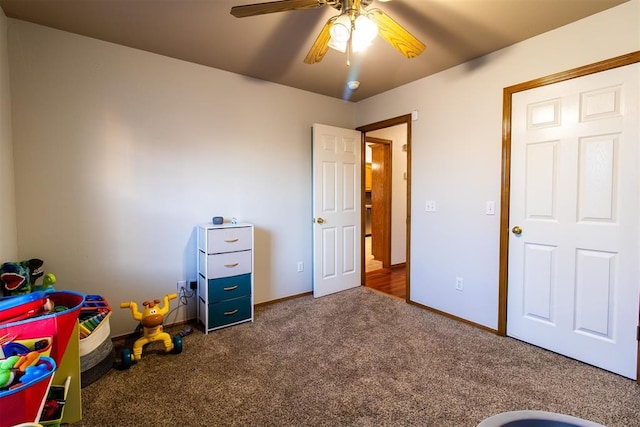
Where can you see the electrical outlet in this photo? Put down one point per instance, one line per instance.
(300, 266)
(193, 285)
(182, 284)
(430, 206)
(459, 283)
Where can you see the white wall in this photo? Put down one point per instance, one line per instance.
(397, 134)
(8, 238)
(119, 153)
(456, 154)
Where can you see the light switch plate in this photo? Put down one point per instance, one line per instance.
(490, 208)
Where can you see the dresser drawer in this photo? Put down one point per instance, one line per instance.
(229, 311)
(225, 265)
(225, 288)
(223, 239)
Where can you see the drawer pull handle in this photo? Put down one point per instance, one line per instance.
(233, 264)
(230, 288)
(230, 313)
(233, 240)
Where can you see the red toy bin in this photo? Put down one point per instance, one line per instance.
(58, 324)
(25, 402)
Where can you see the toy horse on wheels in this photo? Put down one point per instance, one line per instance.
(151, 319)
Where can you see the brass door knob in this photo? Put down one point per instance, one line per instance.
(516, 230)
(320, 220)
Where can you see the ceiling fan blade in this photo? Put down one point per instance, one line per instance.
(274, 6)
(321, 45)
(396, 35)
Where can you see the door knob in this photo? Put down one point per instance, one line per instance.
(516, 230)
(320, 220)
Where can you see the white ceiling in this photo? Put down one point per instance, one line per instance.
(272, 47)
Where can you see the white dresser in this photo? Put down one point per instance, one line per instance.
(225, 275)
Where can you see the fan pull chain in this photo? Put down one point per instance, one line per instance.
(350, 43)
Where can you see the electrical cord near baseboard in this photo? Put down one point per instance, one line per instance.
(183, 296)
(183, 299)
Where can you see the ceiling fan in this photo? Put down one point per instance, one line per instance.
(352, 30)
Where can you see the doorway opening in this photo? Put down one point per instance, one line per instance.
(385, 239)
(378, 196)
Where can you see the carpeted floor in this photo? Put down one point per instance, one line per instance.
(357, 358)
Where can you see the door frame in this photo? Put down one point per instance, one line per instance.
(399, 120)
(608, 64)
(385, 233)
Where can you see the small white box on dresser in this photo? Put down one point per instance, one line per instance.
(225, 275)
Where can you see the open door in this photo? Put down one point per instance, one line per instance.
(336, 209)
(381, 200)
(569, 272)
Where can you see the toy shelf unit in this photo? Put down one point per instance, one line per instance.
(225, 275)
(57, 332)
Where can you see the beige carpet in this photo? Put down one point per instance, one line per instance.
(356, 358)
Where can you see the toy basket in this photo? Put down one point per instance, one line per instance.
(24, 402)
(58, 325)
(24, 405)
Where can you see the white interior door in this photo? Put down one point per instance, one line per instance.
(336, 209)
(573, 271)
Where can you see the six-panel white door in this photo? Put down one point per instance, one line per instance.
(336, 209)
(573, 271)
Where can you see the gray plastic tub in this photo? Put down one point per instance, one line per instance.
(535, 419)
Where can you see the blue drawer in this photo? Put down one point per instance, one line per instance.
(230, 311)
(229, 287)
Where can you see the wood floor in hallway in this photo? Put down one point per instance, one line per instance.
(391, 281)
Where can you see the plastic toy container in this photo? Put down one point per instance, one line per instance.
(17, 346)
(58, 324)
(95, 303)
(21, 307)
(24, 402)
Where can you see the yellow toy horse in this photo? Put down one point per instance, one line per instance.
(151, 318)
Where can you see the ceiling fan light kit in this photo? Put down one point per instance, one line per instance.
(341, 29)
(353, 30)
(360, 32)
(364, 31)
(336, 45)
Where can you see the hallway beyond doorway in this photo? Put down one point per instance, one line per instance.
(371, 263)
(391, 281)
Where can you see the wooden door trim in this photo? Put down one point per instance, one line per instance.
(388, 186)
(405, 119)
(608, 64)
